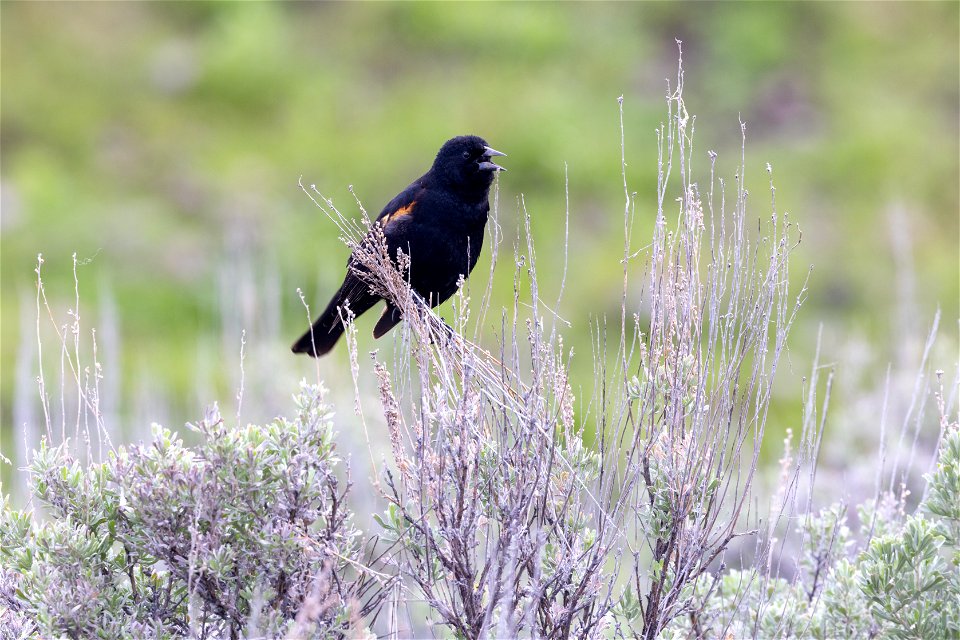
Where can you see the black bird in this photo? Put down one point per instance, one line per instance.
(438, 221)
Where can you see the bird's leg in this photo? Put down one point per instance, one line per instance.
(441, 337)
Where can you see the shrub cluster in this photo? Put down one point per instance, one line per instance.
(247, 533)
(901, 581)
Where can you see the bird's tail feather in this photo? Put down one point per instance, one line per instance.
(328, 328)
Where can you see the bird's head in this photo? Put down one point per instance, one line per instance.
(466, 163)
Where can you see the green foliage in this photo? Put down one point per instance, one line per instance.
(162, 540)
(943, 490)
(904, 583)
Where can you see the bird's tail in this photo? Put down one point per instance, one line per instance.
(328, 328)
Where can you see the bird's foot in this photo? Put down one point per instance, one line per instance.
(444, 335)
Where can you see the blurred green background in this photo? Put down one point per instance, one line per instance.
(162, 143)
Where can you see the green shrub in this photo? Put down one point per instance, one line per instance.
(248, 532)
(902, 583)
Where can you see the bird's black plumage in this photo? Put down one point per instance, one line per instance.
(438, 221)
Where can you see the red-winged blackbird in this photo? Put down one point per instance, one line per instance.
(438, 221)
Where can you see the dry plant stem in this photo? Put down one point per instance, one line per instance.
(306, 306)
(87, 397)
(75, 330)
(496, 237)
(41, 381)
(918, 420)
(786, 507)
(704, 377)
(626, 245)
(878, 488)
(350, 335)
(102, 433)
(243, 344)
(566, 248)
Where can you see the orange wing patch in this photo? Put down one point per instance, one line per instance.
(399, 213)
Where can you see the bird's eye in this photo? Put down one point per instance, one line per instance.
(466, 155)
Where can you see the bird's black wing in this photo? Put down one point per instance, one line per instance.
(395, 221)
(401, 206)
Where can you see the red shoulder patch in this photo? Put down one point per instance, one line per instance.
(399, 213)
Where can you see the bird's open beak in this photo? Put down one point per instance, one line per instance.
(486, 165)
